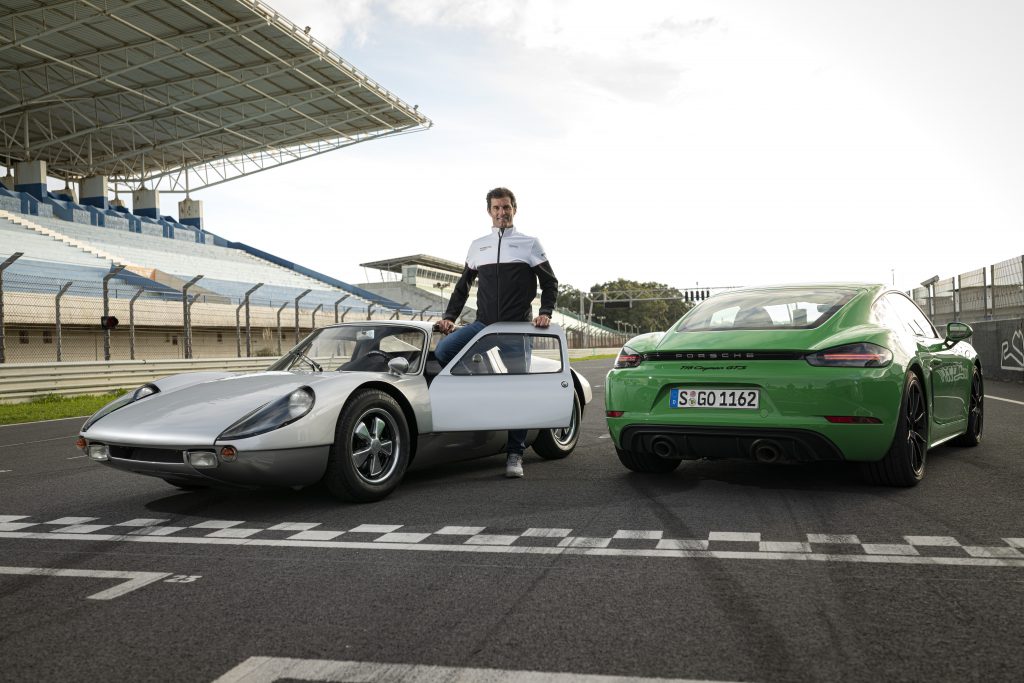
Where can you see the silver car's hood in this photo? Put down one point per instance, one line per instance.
(195, 415)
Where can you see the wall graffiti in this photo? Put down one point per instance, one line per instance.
(1011, 353)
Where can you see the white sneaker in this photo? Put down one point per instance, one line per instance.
(514, 465)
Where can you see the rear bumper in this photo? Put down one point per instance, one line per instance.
(761, 444)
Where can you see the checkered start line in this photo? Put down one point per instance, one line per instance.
(932, 550)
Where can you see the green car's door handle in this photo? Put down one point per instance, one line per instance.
(935, 363)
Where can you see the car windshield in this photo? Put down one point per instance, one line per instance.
(794, 308)
(356, 348)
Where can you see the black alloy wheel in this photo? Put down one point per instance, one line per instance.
(975, 412)
(904, 463)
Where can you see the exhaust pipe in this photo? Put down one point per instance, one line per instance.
(663, 447)
(766, 451)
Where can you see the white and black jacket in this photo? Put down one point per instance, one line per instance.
(508, 264)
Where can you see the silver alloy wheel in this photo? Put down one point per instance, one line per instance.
(375, 445)
(566, 435)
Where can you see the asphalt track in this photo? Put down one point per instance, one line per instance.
(724, 571)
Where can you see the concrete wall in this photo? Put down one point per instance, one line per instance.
(1000, 344)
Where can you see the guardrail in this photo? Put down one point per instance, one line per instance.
(25, 381)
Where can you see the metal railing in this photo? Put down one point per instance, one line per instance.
(51, 319)
(992, 293)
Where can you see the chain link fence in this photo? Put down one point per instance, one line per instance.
(45, 319)
(992, 293)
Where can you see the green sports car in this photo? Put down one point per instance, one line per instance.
(798, 373)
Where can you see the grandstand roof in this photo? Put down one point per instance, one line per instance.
(179, 94)
(394, 265)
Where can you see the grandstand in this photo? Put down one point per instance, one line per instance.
(160, 96)
(140, 98)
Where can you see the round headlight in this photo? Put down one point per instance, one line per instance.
(299, 402)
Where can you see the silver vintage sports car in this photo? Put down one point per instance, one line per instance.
(353, 405)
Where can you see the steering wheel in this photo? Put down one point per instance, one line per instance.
(377, 352)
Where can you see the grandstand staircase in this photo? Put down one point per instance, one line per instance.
(53, 234)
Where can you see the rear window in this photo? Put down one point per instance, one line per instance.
(793, 309)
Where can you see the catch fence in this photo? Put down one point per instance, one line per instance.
(992, 293)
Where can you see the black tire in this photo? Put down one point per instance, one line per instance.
(185, 484)
(555, 444)
(975, 413)
(903, 464)
(647, 463)
(371, 448)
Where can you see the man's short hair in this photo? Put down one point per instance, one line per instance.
(500, 193)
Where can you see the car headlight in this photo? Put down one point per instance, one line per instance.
(273, 415)
(628, 358)
(861, 355)
(131, 397)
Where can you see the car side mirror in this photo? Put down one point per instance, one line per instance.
(956, 332)
(398, 366)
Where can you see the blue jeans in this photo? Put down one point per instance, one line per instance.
(449, 347)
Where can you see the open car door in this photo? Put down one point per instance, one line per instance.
(510, 376)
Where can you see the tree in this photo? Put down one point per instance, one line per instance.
(653, 306)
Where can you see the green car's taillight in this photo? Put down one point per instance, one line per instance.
(628, 358)
(860, 355)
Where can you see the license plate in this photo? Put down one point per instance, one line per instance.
(744, 399)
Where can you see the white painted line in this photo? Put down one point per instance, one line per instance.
(3, 471)
(784, 547)
(234, 533)
(605, 436)
(132, 580)
(12, 518)
(59, 419)
(460, 530)
(375, 528)
(68, 521)
(216, 524)
(157, 530)
(1015, 542)
(401, 538)
(271, 669)
(294, 526)
(1008, 400)
(546, 533)
(888, 549)
(76, 457)
(142, 522)
(584, 542)
(985, 551)
(1014, 558)
(29, 443)
(315, 535)
(646, 535)
(491, 539)
(734, 536)
(15, 526)
(682, 544)
(80, 529)
(833, 538)
(945, 541)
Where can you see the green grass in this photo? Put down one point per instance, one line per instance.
(597, 357)
(54, 407)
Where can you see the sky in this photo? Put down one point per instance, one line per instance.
(704, 144)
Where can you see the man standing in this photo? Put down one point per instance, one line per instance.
(509, 265)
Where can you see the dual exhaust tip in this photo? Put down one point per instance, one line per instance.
(762, 450)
